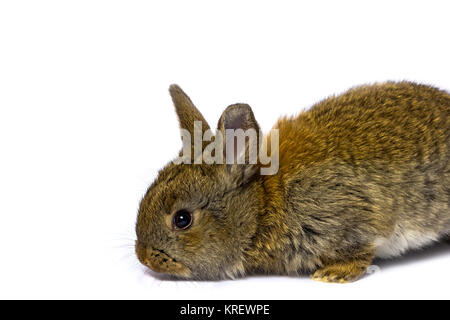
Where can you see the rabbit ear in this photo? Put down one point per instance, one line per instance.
(238, 116)
(187, 113)
(241, 153)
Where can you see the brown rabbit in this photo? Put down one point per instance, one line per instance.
(361, 175)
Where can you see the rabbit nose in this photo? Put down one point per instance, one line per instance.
(159, 261)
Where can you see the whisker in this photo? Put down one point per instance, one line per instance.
(124, 246)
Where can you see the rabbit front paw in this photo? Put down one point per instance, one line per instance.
(343, 272)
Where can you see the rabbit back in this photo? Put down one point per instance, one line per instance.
(370, 166)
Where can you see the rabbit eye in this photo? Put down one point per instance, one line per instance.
(182, 219)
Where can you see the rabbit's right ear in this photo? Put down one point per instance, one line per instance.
(187, 113)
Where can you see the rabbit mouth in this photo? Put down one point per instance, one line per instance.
(159, 261)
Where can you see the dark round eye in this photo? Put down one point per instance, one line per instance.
(182, 219)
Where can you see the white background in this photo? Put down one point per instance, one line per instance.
(86, 121)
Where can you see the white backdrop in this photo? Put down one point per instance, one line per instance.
(86, 121)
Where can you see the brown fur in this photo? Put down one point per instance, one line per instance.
(353, 169)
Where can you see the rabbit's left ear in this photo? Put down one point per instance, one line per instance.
(240, 132)
(238, 116)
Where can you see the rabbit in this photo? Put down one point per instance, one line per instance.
(362, 175)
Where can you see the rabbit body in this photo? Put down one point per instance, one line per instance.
(361, 175)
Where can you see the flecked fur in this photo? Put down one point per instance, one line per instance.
(359, 173)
